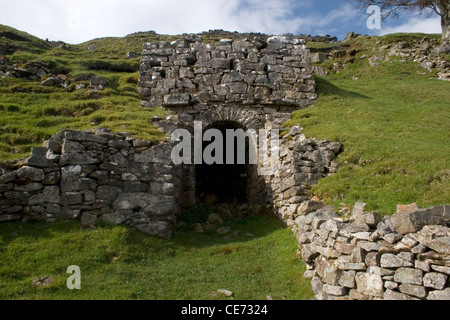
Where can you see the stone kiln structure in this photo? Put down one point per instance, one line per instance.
(249, 84)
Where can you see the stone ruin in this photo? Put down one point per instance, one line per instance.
(245, 84)
(254, 74)
(97, 175)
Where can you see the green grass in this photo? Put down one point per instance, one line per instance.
(13, 38)
(393, 125)
(119, 263)
(28, 118)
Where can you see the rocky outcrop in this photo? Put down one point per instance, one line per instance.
(364, 257)
(30, 71)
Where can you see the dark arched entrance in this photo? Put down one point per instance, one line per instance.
(226, 183)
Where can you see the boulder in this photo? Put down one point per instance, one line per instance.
(435, 280)
(439, 294)
(98, 82)
(214, 219)
(132, 54)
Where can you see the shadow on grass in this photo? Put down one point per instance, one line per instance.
(325, 87)
(9, 231)
(240, 230)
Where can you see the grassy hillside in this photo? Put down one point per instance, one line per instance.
(393, 122)
(31, 113)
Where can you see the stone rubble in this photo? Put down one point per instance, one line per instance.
(39, 70)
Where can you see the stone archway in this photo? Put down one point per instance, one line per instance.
(228, 183)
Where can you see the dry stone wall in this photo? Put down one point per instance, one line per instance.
(303, 162)
(94, 175)
(405, 256)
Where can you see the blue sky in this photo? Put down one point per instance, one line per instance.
(76, 21)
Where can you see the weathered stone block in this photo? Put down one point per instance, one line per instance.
(8, 177)
(347, 279)
(353, 266)
(439, 294)
(410, 222)
(220, 63)
(70, 146)
(309, 253)
(30, 174)
(331, 273)
(413, 290)
(310, 206)
(37, 161)
(88, 219)
(29, 187)
(76, 159)
(316, 285)
(161, 229)
(334, 290)
(389, 260)
(369, 284)
(52, 194)
(344, 248)
(177, 99)
(68, 214)
(391, 285)
(394, 295)
(52, 178)
(85, 136)
(71, 198)
(435, 280)
(409, 276)
(436, 238)
(372, 259)
(108, 193)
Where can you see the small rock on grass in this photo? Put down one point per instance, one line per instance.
(43, 281)
(226, 292)
(223, 230)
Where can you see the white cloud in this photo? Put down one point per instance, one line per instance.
(416, 24)
(83, 20)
